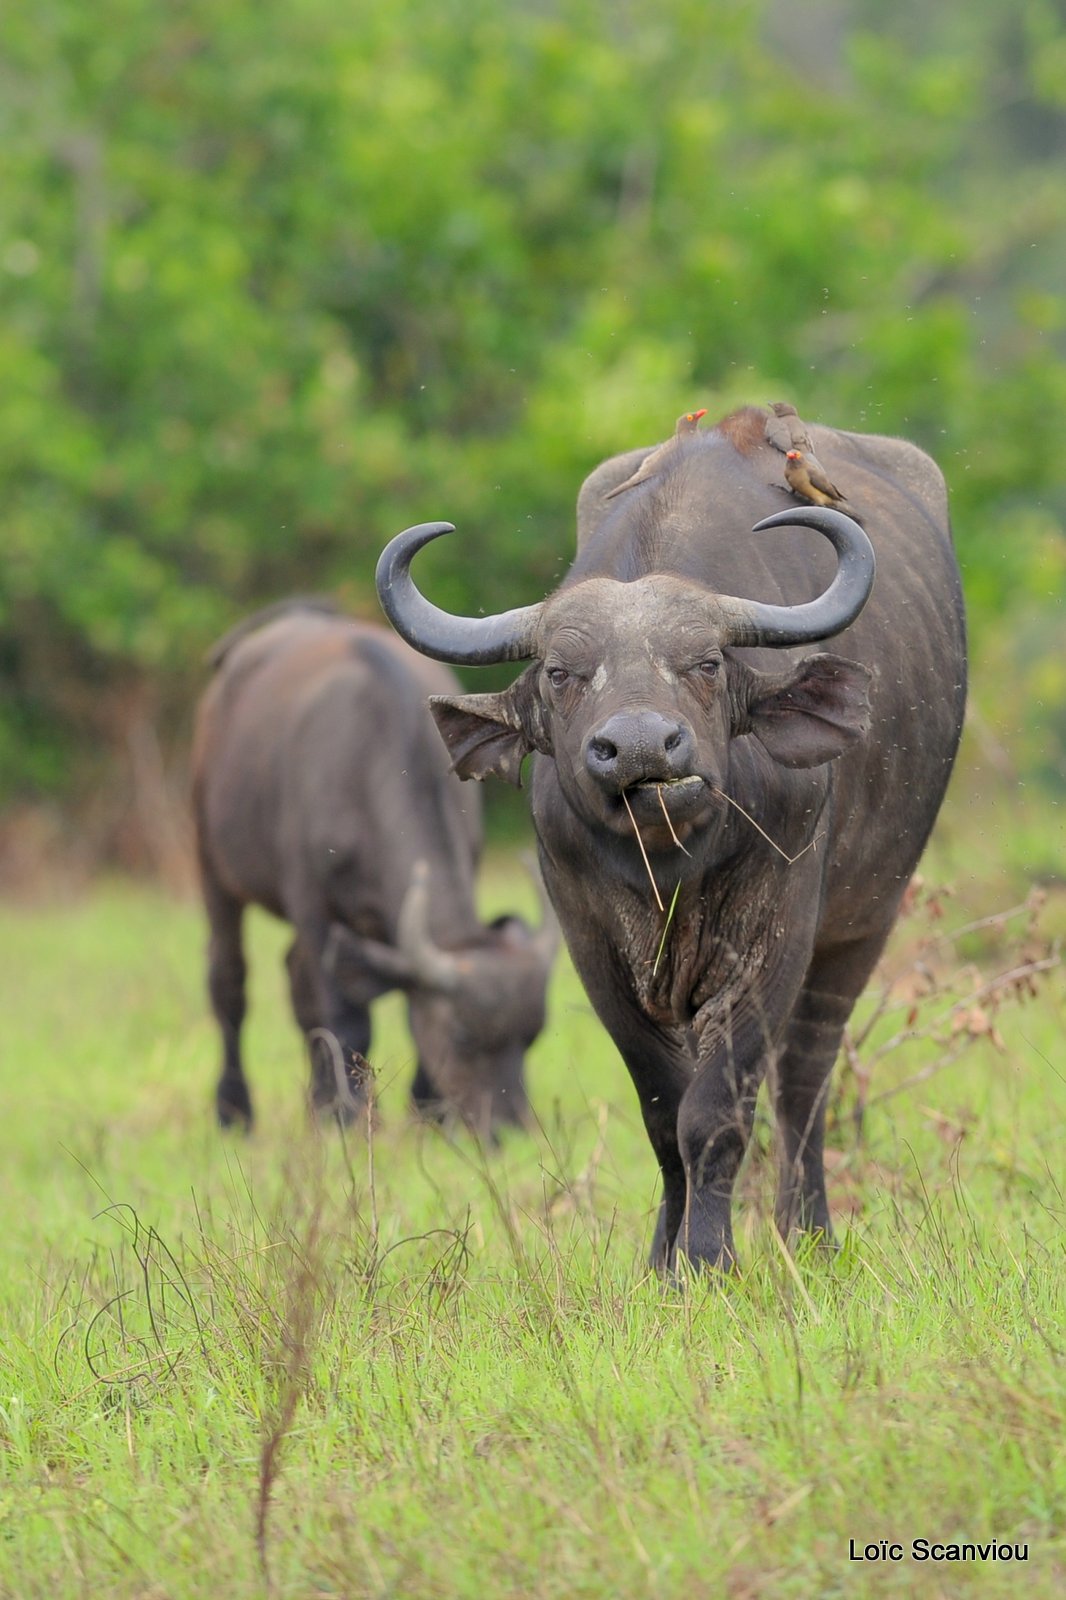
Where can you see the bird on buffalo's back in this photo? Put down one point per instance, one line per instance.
(786, 430)
(809, 481)
(687, 425)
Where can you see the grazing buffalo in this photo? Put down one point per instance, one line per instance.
(322, 792)
(726, 824)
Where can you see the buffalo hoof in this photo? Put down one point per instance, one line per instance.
(682, 1271)
(233, 1104)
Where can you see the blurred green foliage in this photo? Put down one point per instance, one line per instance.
(280, 279)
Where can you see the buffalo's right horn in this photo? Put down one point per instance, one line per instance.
(466, 641)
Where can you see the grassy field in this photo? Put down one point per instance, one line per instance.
(305, 1366)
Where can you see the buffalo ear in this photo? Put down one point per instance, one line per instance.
(812, 714)
(492, 733)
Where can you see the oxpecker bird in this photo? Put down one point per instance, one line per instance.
(786, 430)
(807, 479)
(687, 425)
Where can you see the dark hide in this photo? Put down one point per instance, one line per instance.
(322, 792)
(789, 795)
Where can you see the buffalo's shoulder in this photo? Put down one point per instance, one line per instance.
(897, 461)
(608, 475)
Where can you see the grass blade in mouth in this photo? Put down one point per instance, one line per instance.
(644, 853)
(669, 824)
(771, 842)
(666, 926)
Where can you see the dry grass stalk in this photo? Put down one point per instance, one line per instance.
(296, 1342)
(644, 854)
(771, 842)
(669, 824)
(666, 928)
(939, 1000)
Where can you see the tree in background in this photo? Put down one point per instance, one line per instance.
(280, 279)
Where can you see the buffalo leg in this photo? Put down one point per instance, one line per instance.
(337, 1031)
(226, 973)
(426, 1098)
(661, 1085)
(801, 1087)
(714, 1128)
(660, 1120)
(661, 1069)
(671, 1208)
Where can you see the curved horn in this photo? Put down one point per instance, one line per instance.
(467, 641)
(751, 622)
(432, 967)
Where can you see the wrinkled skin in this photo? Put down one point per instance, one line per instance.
(322, 793)
(786, 793)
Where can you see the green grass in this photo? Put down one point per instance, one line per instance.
(409, 1368)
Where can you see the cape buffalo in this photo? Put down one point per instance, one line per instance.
(726, 825)
(322, 792)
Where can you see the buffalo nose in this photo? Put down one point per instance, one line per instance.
(639, 747)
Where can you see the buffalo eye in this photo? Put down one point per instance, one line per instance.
(711, 667)
(557, 676)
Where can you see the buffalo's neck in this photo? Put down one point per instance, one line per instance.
(396, 827)
(692, 950)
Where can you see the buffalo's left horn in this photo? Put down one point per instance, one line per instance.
(753, 622)
(466, 641)
(432, 967)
